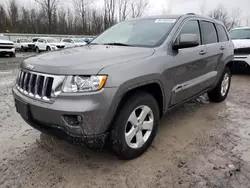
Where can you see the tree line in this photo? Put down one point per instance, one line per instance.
(84, 17)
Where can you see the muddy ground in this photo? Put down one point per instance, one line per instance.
(198, 145)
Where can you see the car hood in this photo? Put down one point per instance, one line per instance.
(6, 42)
(57, 44)
(242, 43)
(27, 43)
(85, 60)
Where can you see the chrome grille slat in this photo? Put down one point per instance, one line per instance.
(25, 82)
(30, 82)
(45, 85)
(39, 86)
(21, 80)
(36, 84)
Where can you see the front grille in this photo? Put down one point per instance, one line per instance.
(60, 46)
(6, 44)
(6, 47)
(38, 86)
(242, 51)
(31, 45)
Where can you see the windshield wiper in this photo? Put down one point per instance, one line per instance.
(117, 44)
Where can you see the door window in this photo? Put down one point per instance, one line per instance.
(191, 27)
(209, 33)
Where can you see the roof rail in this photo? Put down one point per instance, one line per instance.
(190, 13)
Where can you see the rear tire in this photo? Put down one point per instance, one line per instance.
(220, 93)
(129, 139)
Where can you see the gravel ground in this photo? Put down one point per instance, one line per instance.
(199, 144)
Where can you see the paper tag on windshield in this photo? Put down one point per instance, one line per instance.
(165, 20)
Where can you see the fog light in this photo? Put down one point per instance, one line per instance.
(73, 120)
(79, 119)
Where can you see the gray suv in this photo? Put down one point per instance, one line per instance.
(114, 90)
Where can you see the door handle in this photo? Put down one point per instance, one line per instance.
(222, 48)
(202, 52)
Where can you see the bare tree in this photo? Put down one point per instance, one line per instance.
(81, 8)
(220, 13)
(203, 7)
(235, 21)
(13, 14)
(123, 9)
(49, 6)
(248, 21)
(138, 7)
(4, 19)
(97, 22)
(109, 13)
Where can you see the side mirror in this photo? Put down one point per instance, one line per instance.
(186, 41)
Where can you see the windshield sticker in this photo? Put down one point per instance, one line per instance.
(165, 20)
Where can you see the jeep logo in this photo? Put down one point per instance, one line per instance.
(29, 66)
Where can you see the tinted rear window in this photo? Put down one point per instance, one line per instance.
(222, 33)
(209, 33)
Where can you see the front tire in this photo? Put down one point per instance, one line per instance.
(219, 94)
(48, 48)
(135, 126)
(37, 50)
(13, 55)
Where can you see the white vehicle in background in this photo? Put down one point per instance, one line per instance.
(24, 44)
(7, 47)
(73, 42)
(48, 44)
(241, 40)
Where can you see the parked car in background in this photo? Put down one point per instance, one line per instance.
(119, 87)
(35, 39)
(87, 40)
(47, 44)
(7, 46)
(241, 40)
(73, 42)
(24, 44)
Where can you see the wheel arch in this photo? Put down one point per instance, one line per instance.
(153, 87)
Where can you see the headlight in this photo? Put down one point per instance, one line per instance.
(84, 83)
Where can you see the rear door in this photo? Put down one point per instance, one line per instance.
(210, 62)
(186, 67)
(226, 47)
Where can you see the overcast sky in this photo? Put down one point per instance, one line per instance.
(178, 6)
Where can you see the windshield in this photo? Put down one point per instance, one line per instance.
(24, 40)
(240, 34)
(50, 40)
(146, 33)
(4, 38)
(76, 40)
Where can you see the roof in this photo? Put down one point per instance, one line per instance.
(240, 28)
(177, 16)
(170, 16)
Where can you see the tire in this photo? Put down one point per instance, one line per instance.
(219, 94)
(120, 143)
(37, 50)
(22, 49)
(48, 48)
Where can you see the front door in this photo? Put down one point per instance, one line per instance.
(185, 71)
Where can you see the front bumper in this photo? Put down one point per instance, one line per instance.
(7, 51)
(242, 60)
(93, 108)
